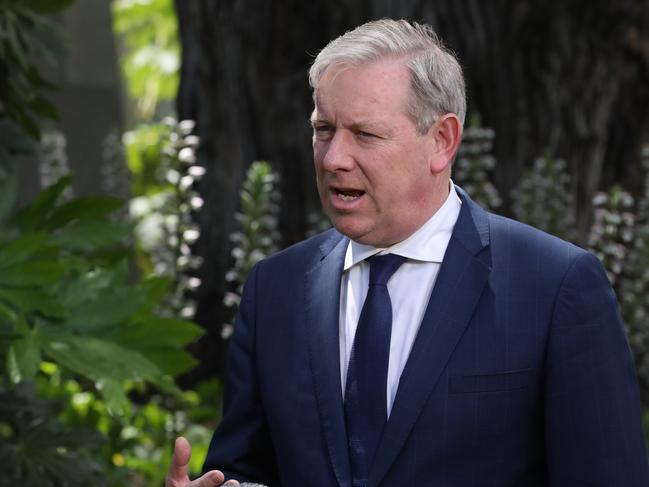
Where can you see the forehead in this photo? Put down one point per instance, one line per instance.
(374, 87)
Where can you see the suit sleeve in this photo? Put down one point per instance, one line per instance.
(241, 446)
(592, 407)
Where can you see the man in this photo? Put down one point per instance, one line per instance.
(486, 353)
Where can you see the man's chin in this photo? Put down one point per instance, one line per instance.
(364, 235)
(352, 230)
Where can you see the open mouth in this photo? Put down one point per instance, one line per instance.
(348, 194)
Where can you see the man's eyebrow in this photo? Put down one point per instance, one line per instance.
(316, 120)
(364, 125)
(360, 125)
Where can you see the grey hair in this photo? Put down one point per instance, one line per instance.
(437, 83)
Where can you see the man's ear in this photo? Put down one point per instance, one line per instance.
(446, 135)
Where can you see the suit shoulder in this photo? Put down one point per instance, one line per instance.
(530, 242)
(303, 253)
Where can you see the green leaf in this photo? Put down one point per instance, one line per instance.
(170, 361)
(161, 340)
(23, 249)
(41, 450)
(157, 332)
(7, 334)
(12, 24)
(34, 215)
(99, 359)
(87, 287)
(13, 370)
(28, 124)
(114, 395)
(14, 140)
(29, 300)
(32, 273)
(120, 272)
(93, 207)
(156, 288)
(91, 235)
(24, 357)
(7, 316)
(37, 80)
(112, 307)
(46, 40)
(45, 108)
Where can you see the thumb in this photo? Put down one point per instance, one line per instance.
(181, 456)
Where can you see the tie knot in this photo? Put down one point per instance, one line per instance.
(382, 267)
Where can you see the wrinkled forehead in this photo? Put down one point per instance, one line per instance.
(359, 94)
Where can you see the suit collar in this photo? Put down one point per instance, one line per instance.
(322, 285)
(472, 228)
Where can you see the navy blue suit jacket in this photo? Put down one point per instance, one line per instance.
(520, 374)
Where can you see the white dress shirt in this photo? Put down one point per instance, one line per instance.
(410, 288)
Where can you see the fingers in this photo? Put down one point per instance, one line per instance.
(182, 453)
(213, 478)
(177, 475)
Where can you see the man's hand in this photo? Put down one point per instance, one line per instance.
(177, 474)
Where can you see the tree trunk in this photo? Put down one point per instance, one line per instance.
(556, 79)
(244, 81)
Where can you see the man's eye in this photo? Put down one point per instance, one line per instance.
(366, 135)
(323, 130)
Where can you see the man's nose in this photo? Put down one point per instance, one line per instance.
(338, 154)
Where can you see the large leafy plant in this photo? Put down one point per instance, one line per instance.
(27, 39)
(67, 296)
(29, 43)
(86, 358)
(38, 449)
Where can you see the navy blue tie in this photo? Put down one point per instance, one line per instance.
(367, 372)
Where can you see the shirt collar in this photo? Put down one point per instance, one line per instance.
(427, 244)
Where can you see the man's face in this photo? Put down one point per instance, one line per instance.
(373, 168)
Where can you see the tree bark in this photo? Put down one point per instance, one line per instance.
(244, 81)
(556, 79)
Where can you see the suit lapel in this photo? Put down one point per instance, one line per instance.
(460, 282)
(322, 316)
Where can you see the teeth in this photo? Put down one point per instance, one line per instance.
(347, 197)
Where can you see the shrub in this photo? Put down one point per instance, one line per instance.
(66, 297)
(258, 236)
